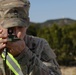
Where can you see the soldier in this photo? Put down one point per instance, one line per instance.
(33, 54)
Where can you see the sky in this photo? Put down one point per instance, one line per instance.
(42, 10)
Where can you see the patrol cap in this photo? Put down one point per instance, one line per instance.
(14, 13)
(7, 23)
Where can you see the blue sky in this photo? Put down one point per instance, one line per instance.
(42, 10)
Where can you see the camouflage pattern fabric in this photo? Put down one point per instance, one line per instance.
(2, 71)
(14, 13)
(37, 58)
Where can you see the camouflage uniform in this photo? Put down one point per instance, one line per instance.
(37, 58)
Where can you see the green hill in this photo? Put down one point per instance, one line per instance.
(61, 22)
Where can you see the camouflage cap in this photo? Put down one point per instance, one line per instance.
(14, 13)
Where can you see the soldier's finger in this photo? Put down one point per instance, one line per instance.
(2, 46)
(0, 30)
(3, 40)
(3, 35)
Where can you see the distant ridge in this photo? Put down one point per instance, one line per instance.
(61, 21)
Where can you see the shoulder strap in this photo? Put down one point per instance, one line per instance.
(12, 63)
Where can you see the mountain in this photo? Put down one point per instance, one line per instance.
(61, 21)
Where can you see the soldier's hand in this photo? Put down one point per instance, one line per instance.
(15, 48)
(3, 38)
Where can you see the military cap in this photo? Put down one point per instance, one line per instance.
(14, 13)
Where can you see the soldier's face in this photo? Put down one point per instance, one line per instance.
(20, 32)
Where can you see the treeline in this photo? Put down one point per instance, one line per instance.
(62, 39)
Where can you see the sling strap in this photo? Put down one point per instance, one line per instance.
(12, 63)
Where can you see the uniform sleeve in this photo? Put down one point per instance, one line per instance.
(49, 59)
(42, 64)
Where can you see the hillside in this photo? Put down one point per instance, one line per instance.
(61, 21)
